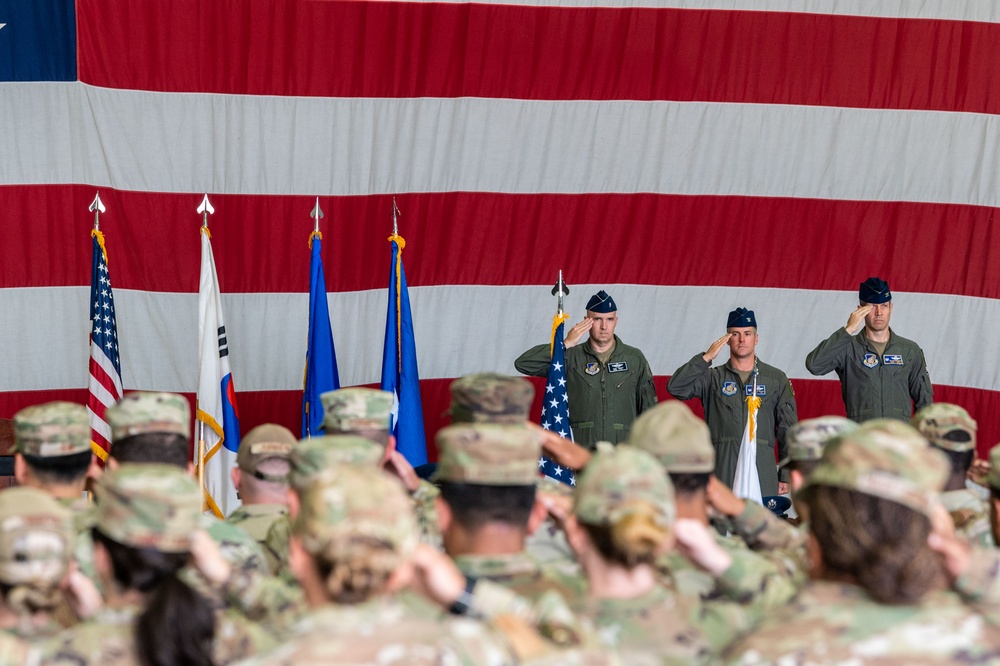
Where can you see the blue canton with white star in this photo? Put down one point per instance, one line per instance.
(555, 409)
(104, 327)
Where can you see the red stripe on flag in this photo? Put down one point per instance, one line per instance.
(815, 397)
(510, 239)
(105, 380)
(392, 49)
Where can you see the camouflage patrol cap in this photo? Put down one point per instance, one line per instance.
(884, 458)
(488, 454)
(149, 505)
(356, 408)
(677, 438)
(53, 429)
(348, 502)
(143, 412)
(311, 456)
(267, 441)
(36, 537)
(993, 478)
(615, 481)
(806, 439)
(946, 426)
(489, 397)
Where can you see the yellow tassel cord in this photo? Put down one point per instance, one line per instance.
(753, 404)
(205, 231)
(398, 240)
(558, 319)
(100, 241)
(315, 234)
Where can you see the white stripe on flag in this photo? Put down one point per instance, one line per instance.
(570, 147)
(100, 425)
(105, 363)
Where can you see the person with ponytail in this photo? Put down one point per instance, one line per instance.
(622, 519)
(878, 593)
(146, 518)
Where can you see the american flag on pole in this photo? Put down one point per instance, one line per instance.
(105, 388)
(555, 404)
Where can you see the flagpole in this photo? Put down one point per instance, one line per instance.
(204, 208)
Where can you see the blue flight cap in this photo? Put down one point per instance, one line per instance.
(778, 504)
(602, 303)
(874, 290)
(741, 318)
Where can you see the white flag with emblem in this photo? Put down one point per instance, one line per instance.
(747, 481)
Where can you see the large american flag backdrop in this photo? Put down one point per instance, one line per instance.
(688, 156)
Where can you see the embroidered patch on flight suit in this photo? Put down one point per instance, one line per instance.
(761, 390)
(892, 359)
(871, 360)
(619, 366)
(728, 388)
(593, 368)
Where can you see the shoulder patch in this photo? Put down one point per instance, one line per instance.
(593, 368)
(728, 388)
(870, 360)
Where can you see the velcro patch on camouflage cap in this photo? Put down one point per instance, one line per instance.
(345, 505)
(265, 442)
(311, 456)
(488, 454)
(806, 439)
(490, 397)
(52, 429)
(615, 482)
(143, 412)
(356, 408)
(946, 426)
(149, 505)
(678, 439)
(886, 459)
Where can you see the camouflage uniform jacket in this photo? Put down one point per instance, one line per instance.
(256, 520)
(873, 388)
(752, 578)
(650, 630)
(775, 539)
(838, 623)
(971, 516)
(523, 575)
(723, 395)
(395, 634)
(239, 548)
(604, 399)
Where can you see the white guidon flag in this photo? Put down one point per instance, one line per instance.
(747, 482)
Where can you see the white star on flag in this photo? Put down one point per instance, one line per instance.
(555, 409)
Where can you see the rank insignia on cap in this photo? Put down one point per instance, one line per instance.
(871, 360)
(761, 390)
(892, 359)
(728, 388)
(620, 366)
(593, 368)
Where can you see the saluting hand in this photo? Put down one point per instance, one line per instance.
(857, 319)
(716, 347)
(577, 332)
